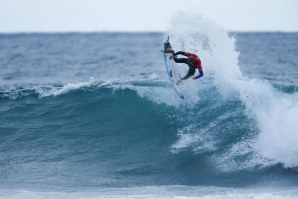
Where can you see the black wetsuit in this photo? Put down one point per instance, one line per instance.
(191, 70)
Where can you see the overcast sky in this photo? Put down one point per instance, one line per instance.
(143, 15)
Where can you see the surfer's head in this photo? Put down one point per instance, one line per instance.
(191, 60)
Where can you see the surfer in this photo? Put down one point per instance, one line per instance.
(192, 60)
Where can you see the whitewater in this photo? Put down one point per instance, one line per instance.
(94, 115)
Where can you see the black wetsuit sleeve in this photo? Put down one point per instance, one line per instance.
(179, 53)
(180, 60)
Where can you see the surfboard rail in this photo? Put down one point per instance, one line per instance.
(170, 65)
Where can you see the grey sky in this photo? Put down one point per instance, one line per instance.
(143, 15)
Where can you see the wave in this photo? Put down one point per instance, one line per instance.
(227, 123)
(106, 124)
(203, 118)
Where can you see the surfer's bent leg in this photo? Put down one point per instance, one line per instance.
(191, 72)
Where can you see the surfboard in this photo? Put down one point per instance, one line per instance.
(171, 69)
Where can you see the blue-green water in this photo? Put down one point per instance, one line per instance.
(81, 112)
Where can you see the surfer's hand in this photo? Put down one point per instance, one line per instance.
(194, 78)
(171, 57)
(169, 50)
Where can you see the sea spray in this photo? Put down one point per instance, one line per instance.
(273, 112)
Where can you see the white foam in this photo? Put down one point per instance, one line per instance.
(274, 112)
(276, 115)
(63, 90)
(198, 141)
(194, 33)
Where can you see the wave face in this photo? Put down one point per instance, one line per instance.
(127, 127)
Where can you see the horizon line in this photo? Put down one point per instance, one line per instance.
(135, 31)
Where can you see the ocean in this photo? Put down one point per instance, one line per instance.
(93, 115)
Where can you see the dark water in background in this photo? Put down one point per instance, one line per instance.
(271, 56)
(88, 111)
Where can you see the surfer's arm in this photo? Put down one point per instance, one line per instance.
(179, 53)
(201, 74)
(178, 60)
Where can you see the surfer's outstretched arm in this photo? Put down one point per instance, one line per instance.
(180, 60)
(179, 53)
